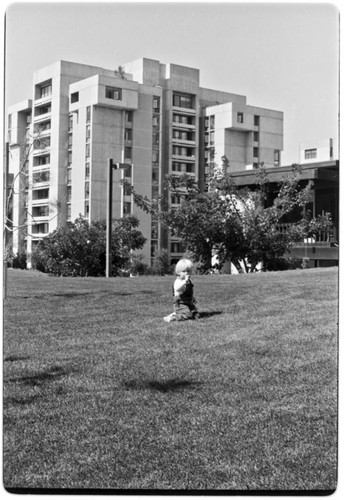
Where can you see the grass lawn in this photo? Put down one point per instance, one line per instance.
(99, 392)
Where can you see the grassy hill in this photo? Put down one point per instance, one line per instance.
(100, 393)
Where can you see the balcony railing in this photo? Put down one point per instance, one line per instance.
(322, 238)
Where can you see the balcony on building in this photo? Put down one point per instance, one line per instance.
(40, 195)
(41, 161)
(184, 103)
(42, 112)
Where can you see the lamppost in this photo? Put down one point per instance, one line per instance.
(116, 166)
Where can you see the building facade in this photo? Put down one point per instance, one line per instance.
(311, 152)
(154, 117)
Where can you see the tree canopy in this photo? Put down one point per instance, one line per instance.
(79, 248)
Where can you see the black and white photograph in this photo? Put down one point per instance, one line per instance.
(171, 228)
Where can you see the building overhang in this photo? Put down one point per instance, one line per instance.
(328, 171)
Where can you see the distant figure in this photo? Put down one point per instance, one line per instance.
(183, 299)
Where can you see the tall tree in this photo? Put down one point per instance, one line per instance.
(18, 184)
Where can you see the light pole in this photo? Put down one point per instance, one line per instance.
(6, 215)
(110, 166)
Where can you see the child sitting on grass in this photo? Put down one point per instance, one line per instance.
(183, 299)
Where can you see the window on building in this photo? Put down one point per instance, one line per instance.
(176, 247)
(310, 153)
(256, 136)
(129, 117)
(212, 121)
(127, 172)
(41, 142)
(42, 228)
(69, 175)
(182, 151)
(87, 190)
(128, 134)
(183, 100)
(87, 150)
(41, 160)
(155, 138)
(88, 114)
(154, 249)
(40, 194)
(45, 90)
(42, 126)
(41, 211)
(41, 176)
(70, 141)
(88, 132)
(156, 104)
(74, 97)
(70, 158)
(256, 120)
(176, 167)
(154, 233)
(126, 208)
(184, 119)
(255, 152)
(240, 117)
(155, 121)
(69, 193)
(277, 158)
(113, 93)
(175, 199)
(87, 170)
(127, 153)
(126, 191)
(42, 110)
(69, 211)
(38, 127)
(87, 209)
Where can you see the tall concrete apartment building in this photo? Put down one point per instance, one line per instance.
(153, 116)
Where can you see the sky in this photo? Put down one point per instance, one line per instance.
(281, 56)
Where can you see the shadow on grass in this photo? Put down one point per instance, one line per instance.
(21, 401)
(208, 314)
(16, 358)
(81, 294)
(63, 294)
(75, 294)
(52, 373)
(164, 386)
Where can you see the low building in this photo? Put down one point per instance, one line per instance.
(324, 175)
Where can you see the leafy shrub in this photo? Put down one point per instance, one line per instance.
(283, 264)
(161, 263)
(17, 261)
(138, 265)
(79, 248)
